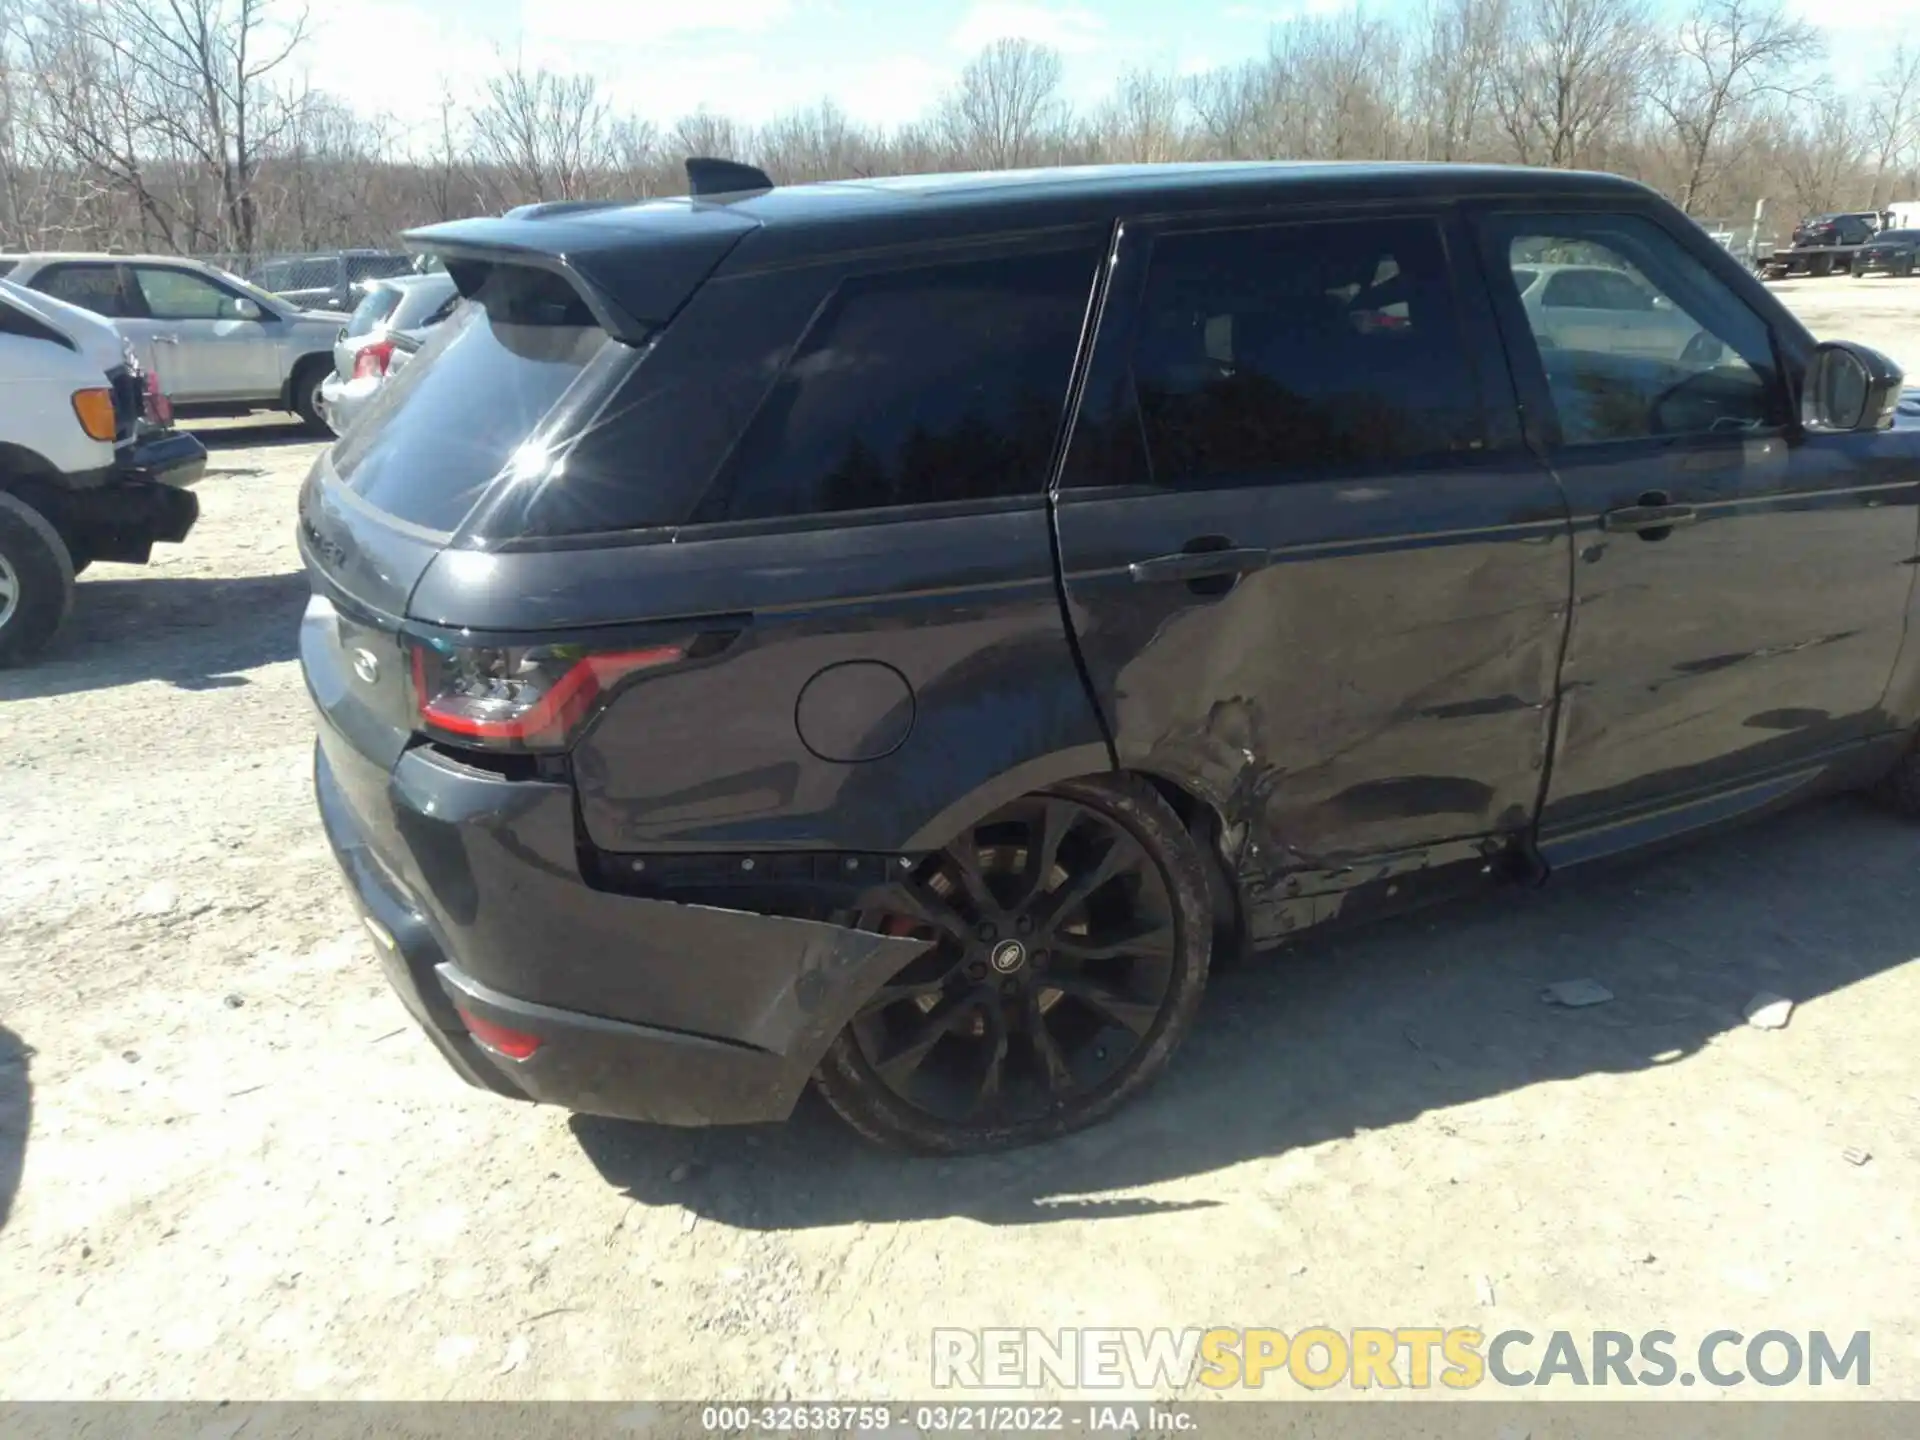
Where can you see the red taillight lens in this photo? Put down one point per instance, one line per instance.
(372, 360)
(526, 697)
(511, 1043)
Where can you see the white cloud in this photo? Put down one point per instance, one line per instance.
(892, 89)
(1072, 30)
(641, 22)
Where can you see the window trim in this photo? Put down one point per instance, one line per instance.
(1540, 417)
(1128, 274)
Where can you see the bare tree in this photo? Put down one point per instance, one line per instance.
(1144, 122)
(1729, 56)
(542, 136)
(718, 137)
(1821, 156)
(817, 143)
(1454, 76)
(1341, 80)
(1893, 116)
(1006, 106)
(1236, 106)
(1569, 74)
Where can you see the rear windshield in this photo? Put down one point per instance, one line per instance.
(371, 313)
(452, 420)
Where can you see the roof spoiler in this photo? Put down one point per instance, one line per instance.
(633, 266)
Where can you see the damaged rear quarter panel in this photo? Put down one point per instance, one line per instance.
(496, 865)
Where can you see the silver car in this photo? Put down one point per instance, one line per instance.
(217, 344)
(1595, 307)
(384, 329)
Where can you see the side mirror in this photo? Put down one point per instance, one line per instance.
(245, 309)
(1849, 387)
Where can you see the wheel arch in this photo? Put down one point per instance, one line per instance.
(1202, 816)
(300, 369)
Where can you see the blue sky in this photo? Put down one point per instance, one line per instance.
(883, 62)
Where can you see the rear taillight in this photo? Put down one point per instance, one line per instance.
(372, 360)
(521, 697)
(154, 403)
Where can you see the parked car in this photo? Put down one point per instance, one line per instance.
(410, 306)
(336, 281)
(1855, 227)
(1592, 307)
(218, 344)
(894, 635)
(81, 479)
(1889, 253)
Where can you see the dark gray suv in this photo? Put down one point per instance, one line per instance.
(896, 634)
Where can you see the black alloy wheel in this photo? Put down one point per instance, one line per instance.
(1071, 932)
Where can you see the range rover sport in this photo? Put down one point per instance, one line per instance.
(894, 634)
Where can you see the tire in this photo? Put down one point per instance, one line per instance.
(36, 581)
(307, 380)
(1018, 1025)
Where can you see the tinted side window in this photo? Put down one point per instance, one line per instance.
(914, 387)
(1689, 357)
(98, 288)
(1299, 348)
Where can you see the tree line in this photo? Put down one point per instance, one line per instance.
(180, 125)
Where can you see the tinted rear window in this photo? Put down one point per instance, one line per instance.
(6, 266)
(451, 422)
(371, 313)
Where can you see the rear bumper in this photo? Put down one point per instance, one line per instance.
(172, 458)
(341, 401)
(644, 1009)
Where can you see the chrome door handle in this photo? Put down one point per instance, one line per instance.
(1196, 565)
(166, 339)
(1639, 519)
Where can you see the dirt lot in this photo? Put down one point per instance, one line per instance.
(241, 1173)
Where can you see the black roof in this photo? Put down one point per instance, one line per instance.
(636, 263)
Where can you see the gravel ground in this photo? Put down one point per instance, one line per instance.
(233, 1169)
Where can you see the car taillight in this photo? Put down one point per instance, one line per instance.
(155, 404)
(520, 697)
(372, 361)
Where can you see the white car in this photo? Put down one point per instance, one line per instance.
(218, 344)
(1593, 307)
(80, 478)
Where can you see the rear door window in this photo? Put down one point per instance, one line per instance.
(1272, 351)
(103, 289)
(470, 407)
(916, 387)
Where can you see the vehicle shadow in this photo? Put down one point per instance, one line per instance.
(1353, 1031)
(16, 1112)
(195, 632)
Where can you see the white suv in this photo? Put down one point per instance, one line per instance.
(217, 343)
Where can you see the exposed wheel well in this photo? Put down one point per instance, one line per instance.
(1204, 823)
(302, 371)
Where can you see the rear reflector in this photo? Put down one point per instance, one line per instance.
(498, 1038)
